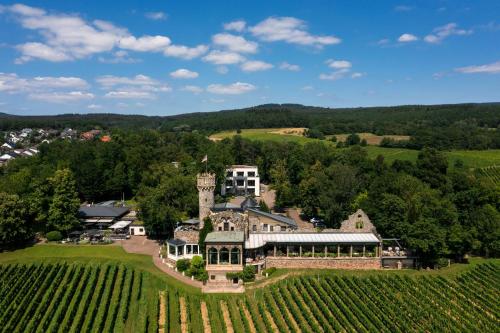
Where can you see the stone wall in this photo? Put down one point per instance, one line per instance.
(328, 263)
(189, 236)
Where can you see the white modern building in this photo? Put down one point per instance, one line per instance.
(242, 180)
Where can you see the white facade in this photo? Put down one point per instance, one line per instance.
(137, 230)
(242, 180)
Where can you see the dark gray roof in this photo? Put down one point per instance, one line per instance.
(225, 237)
(249, 202)
(176, 241)
(276, 217)
(102, 211)
(226, 206)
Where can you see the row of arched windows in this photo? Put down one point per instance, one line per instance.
(224, 256)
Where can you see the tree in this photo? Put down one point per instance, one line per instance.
(431, 167)
(207, 228)
(281, 183)
(63, 209)
(352, 139)
(15, 220)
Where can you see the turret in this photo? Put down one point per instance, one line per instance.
(206, 188)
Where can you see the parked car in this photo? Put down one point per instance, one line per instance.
(316, 220)
(320, 225)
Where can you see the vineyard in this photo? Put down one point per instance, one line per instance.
(64, 297)
(490, 174)
(114, 297)
(332, 303)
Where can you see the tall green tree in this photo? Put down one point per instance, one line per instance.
(63, 209)
(15, 220)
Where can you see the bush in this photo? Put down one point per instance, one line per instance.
(232, 275)
(54, 236)
(248, 273)
(442, 263)
(182, 264)
(269, 271)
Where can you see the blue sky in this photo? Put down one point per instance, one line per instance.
(171, 57)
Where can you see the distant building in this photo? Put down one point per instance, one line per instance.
(242, 180)
(90, 135)
(101, 216)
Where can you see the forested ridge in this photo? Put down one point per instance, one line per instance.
(440, 210)
(448, 126)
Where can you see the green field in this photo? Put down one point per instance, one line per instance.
(470, 158)
(49, 288)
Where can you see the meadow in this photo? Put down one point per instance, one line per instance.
(470, 158)
(59, 288)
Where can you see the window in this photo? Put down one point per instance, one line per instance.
(180, 250)
(264, 227)
(224, 256)
(283, 228)
(212, 256)
(141, 229)
(240, 182)
(195, 249)
(240, 174)
(232, 228)
(251, 182)
(235, 256)
(359, 224)
(251, 173)
(171, 250)
(212, 277)
(189, 249)
(254, 227)
(229, 183)
(271, 228)
(226, 226)
(220, 228)
(229, 174)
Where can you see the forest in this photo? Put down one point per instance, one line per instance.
(440, 210)
(451, 126)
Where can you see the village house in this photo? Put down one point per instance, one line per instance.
(241, 180)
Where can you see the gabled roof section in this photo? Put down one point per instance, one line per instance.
(102, 211)
(225, 237)
(276, 217)
(249, 202)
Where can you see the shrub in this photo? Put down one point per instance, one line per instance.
(442, 262)
(248, 273)
(232, 275)
(182, 264)
(269, 271)
(54, 236)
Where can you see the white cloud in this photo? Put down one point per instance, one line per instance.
(493, 68)
(130, 94)
(156, 16)
(12, 83)
(383, 41)
(357, 75)
(290, 30)
(405, 38)
(61, 97)
(231, 89)
(94, 106)
(144, 43)
(234, 43)
(40, 51)
(237, 26)
(306, 88)
(192, 89)
(223, 58)
(119, 57)
(184, 74)
(338, 64)
(108, 81)
(339, 74)
(289, 67)
(255, 66)
(26, 10)
(184, 52)
(440, 33)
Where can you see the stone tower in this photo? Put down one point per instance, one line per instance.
(206, 188)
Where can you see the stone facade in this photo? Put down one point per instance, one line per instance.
(357, 222)
(206, 187)
(189, 236)
(326, 263)
(236, 221)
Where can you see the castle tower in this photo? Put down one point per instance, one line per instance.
(206, 188)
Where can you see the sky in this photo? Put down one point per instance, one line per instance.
(171, 57)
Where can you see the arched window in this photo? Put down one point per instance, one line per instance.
(224, 256)
(212, 256)
(235, 256)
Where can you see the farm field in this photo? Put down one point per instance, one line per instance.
(43, 290)
(490, 174)
(470, 158)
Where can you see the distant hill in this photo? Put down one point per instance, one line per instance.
(405, 119)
